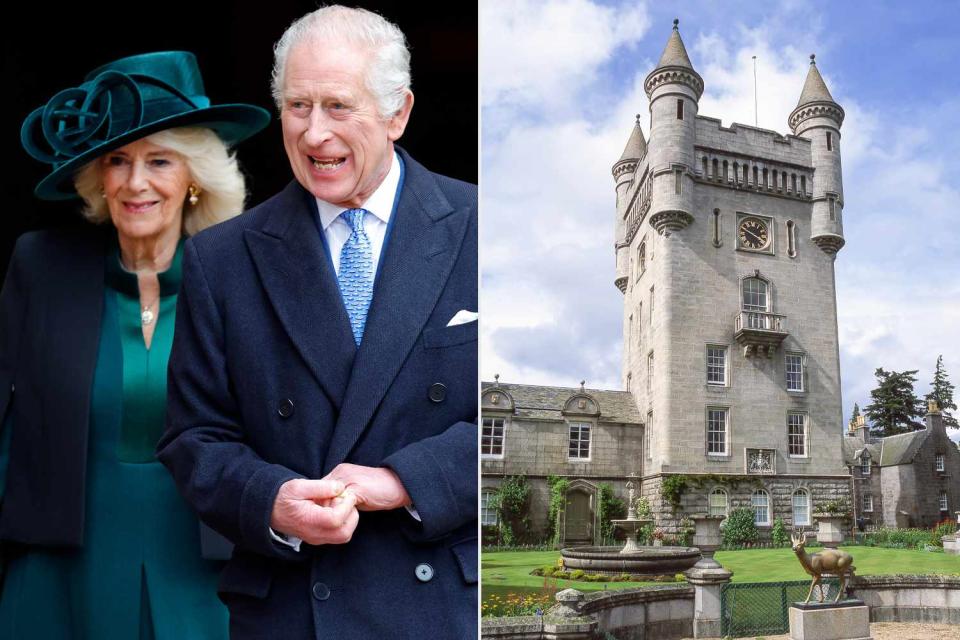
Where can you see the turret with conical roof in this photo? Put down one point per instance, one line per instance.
(625, 168)
(818, 117)
(624, 172)
(674, 89)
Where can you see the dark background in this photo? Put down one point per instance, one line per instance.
(49, 48)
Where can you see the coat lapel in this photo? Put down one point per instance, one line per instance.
(420, 253)
(302, 287)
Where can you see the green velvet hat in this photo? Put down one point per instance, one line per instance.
(121, 102)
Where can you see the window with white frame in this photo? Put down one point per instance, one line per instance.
(488, 514)
(761, 507)
(940, 462)
(944, 506)
(716, 365)
(717, 428)
(797, 435)
(491, 438)
(794, 370)
(754, 294)
(801, 508)
(865, 464)
(579, 441)
(867, 502)
(718, 502)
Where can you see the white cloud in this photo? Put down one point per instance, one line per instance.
(541, 53)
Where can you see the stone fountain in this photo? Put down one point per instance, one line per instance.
(632, 558)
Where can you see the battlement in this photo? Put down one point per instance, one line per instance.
(753, 142)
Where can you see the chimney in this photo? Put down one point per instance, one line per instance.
(934, 418)
(858, 429)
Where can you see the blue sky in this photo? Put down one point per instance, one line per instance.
(560, 84)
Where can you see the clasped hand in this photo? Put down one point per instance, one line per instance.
(326, 511)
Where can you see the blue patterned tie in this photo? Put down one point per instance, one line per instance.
(356, 272)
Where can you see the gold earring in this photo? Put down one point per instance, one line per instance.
(194, 192)
(103, 194)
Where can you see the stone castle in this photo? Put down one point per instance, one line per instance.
(725, 242)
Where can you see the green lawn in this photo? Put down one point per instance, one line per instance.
(509, 571)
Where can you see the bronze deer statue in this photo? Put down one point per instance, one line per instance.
(832, 561)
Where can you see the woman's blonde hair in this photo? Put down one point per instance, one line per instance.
(212, 168)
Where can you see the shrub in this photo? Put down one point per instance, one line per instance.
(548, 570)
(779, 533)
(563, 575)
(609, 508)
(944, 528)
(898, 538)
(576, 574)
(739, 528)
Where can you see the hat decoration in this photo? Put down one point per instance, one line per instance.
(120, 103)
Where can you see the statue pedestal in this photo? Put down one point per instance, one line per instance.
(951, 545)
(844, 620)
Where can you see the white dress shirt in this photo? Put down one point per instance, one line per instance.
(336, 231)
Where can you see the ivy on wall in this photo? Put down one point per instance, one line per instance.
(672, 487)
(558, 503)
(511, 500)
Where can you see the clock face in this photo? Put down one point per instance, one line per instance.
(753, 233)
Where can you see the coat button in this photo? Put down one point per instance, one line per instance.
(285, 408)
(424, 572)
(321, 591)
(438, 391)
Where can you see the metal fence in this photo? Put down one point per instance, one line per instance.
(760, 608)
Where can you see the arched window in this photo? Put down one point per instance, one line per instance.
(641, 259)
(801, 508)
(756, 173)
(755, 296)
(761, 508)
(704, 167)
(488, 514)
(718, 502)
(716, 169)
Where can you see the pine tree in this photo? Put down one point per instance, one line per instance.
(942, 392)
(895, 407)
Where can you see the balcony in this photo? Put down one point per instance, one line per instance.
(759, 332)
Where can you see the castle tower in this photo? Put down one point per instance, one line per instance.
(725, 254)
(818, 117)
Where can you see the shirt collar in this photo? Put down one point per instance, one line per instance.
(380, 203)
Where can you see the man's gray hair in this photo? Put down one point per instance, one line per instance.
(388, 75)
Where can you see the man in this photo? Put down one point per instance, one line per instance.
(322, 390)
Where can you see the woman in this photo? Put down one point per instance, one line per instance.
(98, 542)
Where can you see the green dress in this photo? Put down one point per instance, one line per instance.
(139, 574)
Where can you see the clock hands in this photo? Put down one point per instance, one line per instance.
(756, 237)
